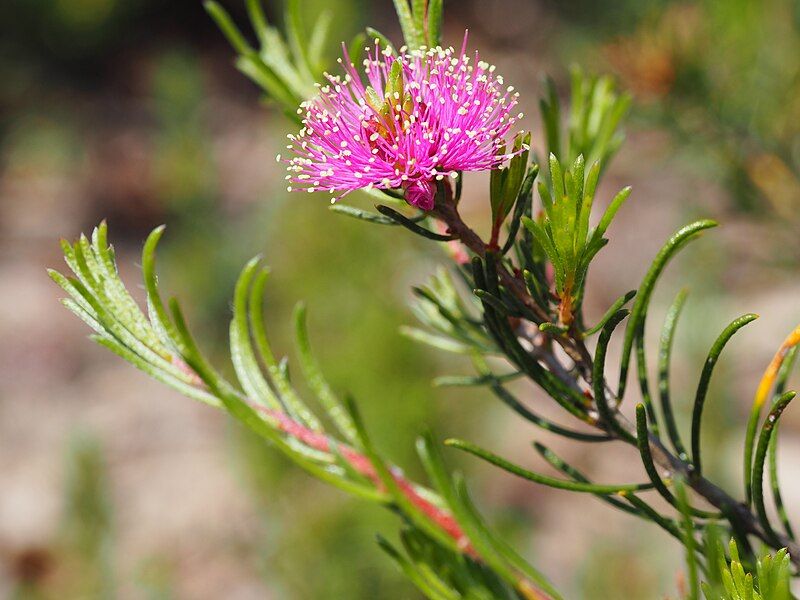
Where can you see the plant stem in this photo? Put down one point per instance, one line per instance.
(447, 212)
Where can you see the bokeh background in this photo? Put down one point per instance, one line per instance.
(130, 110)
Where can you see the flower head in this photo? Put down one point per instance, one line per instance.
(423, 116)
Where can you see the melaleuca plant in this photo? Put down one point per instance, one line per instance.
(402, 130)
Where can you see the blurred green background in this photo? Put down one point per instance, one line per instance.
(131, 110)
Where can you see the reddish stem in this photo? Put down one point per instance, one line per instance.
(363, 465)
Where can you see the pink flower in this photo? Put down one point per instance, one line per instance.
(423, 116)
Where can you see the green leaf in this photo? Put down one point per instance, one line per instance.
(363, 215)
(643, 442)
(665, 353)
(109, 322)
(379, 37)
(780, 388)
(497, 554)
(639, 312)
(409, 224)
(164, 377)
(757, 478)
(435, 12)
(576, 475)
(267, 79)
(290, 401)
(227, 26)
(385, 475)
(562, 484)
(296, 35)
(316, 380)
(495, 302)
(356, 46)
(514, 404)
(689, 540)
(258, 19)
(556, 179)
(772, 373)
(394, 83)
(544, 241)
(618, 304)
(243, 356)
(474, 380)
(116, 291)
(611, 211)
(497, 178)
(155, 306)
(419, 13)
(437, 341)
(413, 573)
(521, 206)
(607, 415)
(536, 285)
(319, 35)
(413, 36)
(551, 117)
(235, 404)
(705, 379)
(506, 183)
(553, 329)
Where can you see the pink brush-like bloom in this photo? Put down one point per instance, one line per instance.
(423, 116)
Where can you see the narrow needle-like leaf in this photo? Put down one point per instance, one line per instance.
(639, 311)
(767, 430)
(780, 388)
(316, 380)
(227, 26)
(512, 402)
(411, 225)
(607, 416)
(497, 553)
(389, 481)
(689, 541)
(554, 482)
(761, 397)
(558, 463)
(643, 442)
(664, 354)
(618, 303)
(363, 215)
(705, 379)
(413, 574)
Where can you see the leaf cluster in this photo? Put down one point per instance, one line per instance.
(594, 115)
(728, 579)
(448, 550)
(286, 66)
(563, 230)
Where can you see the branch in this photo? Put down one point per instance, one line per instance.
(447, 212)
(736, 511)
(442, 520)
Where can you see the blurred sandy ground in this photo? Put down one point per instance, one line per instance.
(166, 131)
